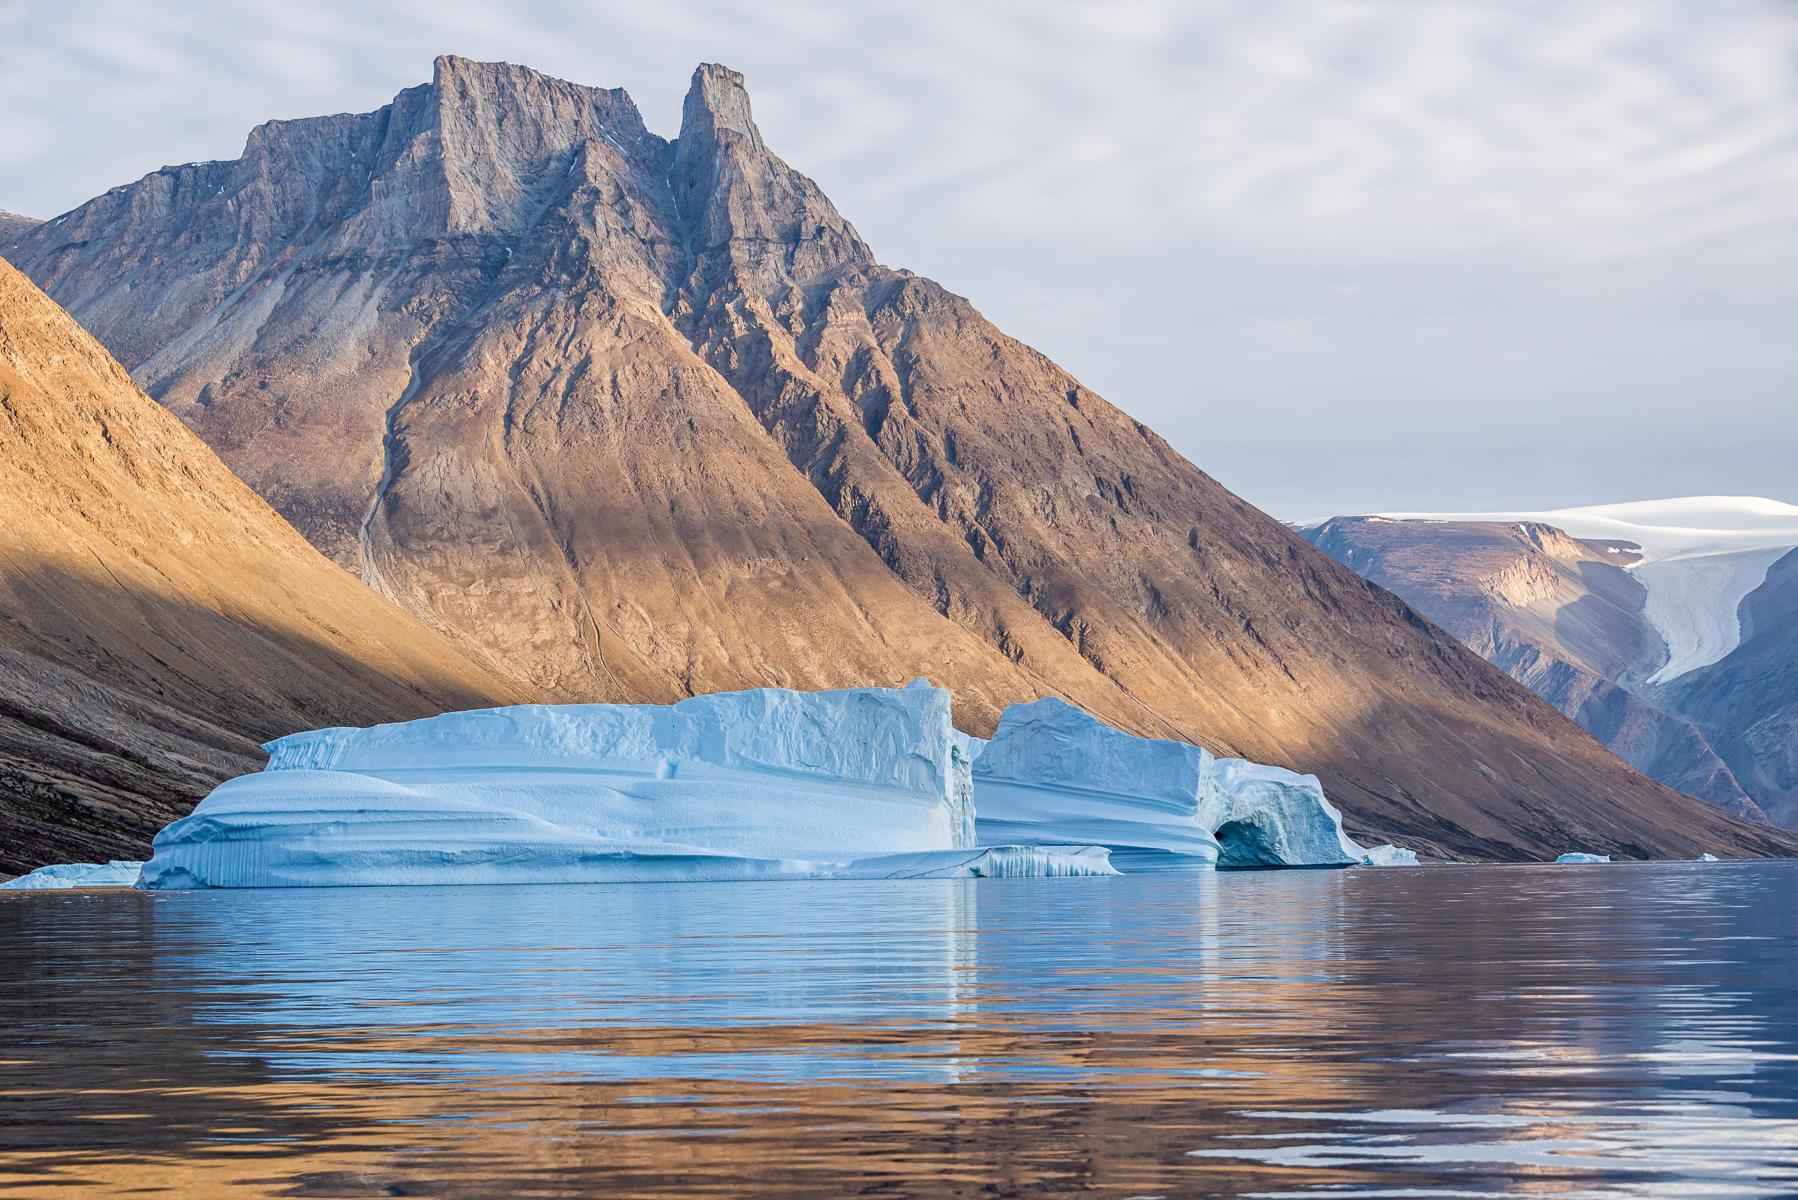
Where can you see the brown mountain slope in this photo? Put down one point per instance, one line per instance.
(158, 620)
(1556, 613)
(647, 418)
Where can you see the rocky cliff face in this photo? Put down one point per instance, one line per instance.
(158, 621)
(645, 418)
(1560, 615)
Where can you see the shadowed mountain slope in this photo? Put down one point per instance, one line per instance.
(1748, 701)
(158, 621)
(646, 418)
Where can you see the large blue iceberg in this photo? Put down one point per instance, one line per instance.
(766, 784)
(1054, 774)
(861, 783)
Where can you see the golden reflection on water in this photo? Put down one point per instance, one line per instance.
(1451, 1031)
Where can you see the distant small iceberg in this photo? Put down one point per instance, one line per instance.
(1389, 856)
(1582, 857)
(1707, 857)
(117, 873)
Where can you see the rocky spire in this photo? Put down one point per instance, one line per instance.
(745, 211)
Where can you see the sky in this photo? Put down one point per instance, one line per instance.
(1346, 255)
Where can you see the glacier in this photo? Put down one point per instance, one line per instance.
(117, 873)
(1054, 774)
(1579, 856)
(1700, 557)
(858, 783)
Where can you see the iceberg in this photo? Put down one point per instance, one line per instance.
(1582, 857)
(1054, 774)
(117, 873)
(1389, 856)
(858, 783)
(1271, 817)
(1707, 857)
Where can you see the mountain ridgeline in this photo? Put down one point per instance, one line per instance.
(638, 419)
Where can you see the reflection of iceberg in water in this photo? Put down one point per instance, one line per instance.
(1466, 1028)
(769, 982)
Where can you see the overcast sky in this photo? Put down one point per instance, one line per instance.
(1346, 256)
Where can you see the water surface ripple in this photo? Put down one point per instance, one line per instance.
(1629, 1030)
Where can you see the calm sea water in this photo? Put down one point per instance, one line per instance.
(1541, 1031)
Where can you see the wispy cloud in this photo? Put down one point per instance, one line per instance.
(1345, 253)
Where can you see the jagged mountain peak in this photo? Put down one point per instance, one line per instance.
(746, 212)
(718, 97)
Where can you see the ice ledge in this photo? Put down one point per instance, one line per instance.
(117, 873)
(502, 865)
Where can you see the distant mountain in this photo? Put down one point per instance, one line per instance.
(157, 619)
(646, 418)
(13, 227)
(1623, 616)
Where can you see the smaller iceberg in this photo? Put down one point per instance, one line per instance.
(1266, 816)
(116, 873)
(1707, 857)
(1054, 774)
(1389, 856)
(1581, 857)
